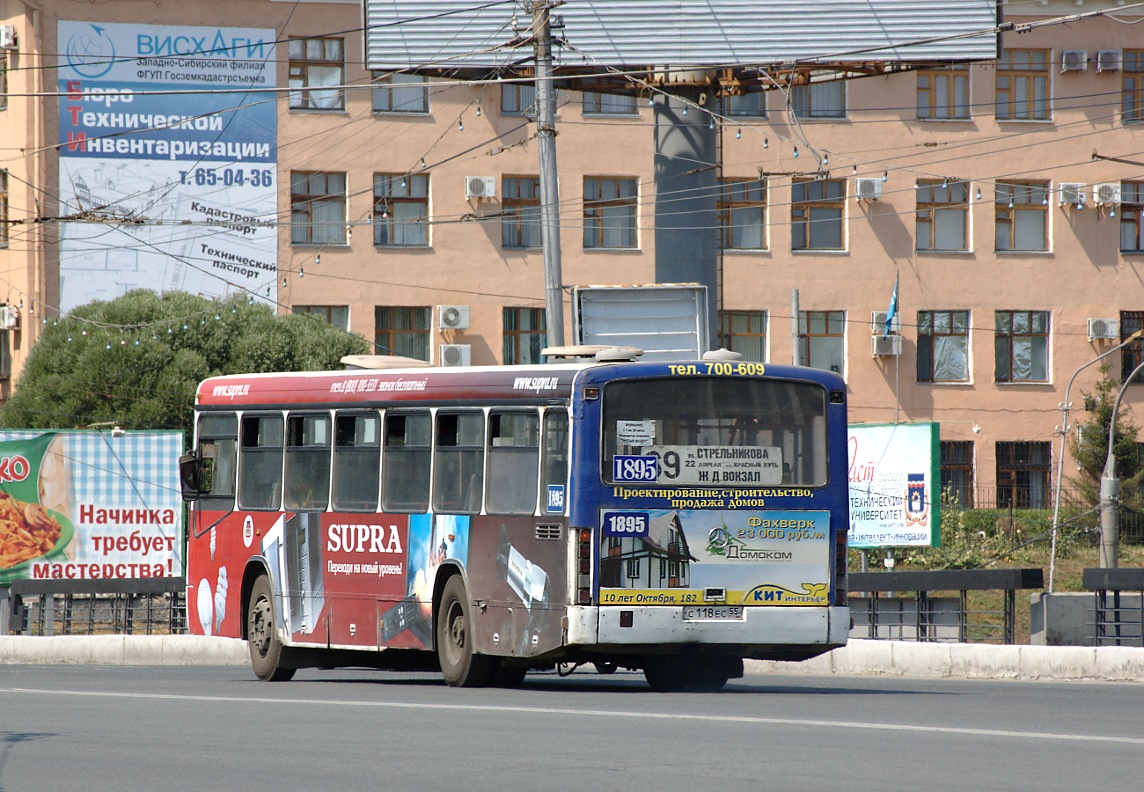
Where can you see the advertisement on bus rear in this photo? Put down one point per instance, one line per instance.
(672, 557)
(90, 505)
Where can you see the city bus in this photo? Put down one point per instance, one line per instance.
(669, 518)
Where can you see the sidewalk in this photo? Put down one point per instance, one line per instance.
(858, 658)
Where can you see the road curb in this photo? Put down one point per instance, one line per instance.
(970, 661)
(857, 658)
(178, 650)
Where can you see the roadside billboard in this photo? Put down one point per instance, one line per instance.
(168, 160)
(90, 505)
(895, 485)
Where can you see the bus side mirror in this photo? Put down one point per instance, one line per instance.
(189, 477)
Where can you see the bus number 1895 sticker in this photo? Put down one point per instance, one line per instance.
(635, 468)
(625, 523)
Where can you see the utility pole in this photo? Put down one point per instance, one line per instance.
(549, 189)
(1110, 489)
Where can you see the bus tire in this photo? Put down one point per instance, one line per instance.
(679, 673)
(460, 665)
(266, 650)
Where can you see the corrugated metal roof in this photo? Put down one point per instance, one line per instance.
(469, 34)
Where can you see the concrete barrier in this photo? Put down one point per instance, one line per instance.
(970, 661)
(857, 658)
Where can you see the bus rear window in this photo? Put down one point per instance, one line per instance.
(718, 432)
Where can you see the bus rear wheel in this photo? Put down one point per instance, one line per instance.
(679, 673)
(266, 650)
(460, 665)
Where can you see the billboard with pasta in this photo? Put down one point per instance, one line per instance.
(89, 504)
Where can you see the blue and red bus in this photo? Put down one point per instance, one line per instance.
(674, 518)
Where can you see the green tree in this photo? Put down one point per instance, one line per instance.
(1089, 447)
(137, 360)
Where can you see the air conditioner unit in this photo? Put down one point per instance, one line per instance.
(868, 189)
(878, 323)
(1107, 329)
(7, 37)
(480, 187)
(889, 346)
(452, 317)
(9, 317)
(1073, 193)
(1108, 60)
(1074, 60)
(1106, 193)
(456, 354)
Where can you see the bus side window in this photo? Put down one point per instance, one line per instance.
(260, 462)
(357, 455)
(307, 462)
(218, 435)
(405, 463)
(555, 462)
(459, 463)
(514, 463)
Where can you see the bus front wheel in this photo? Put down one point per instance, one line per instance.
(266, 651)
(460, 664)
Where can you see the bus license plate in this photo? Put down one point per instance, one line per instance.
(712, 612)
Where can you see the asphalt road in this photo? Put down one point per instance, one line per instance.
(215, 728)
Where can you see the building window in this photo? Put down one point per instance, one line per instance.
(609, 212)
(1022, 216)
(1132, 87)
(942, 215)
(816, 213)
(742, 214)
(317, 74)
(3, 208)
(821, 339)
(3, 80)
(748, 105)
(957, 472)
(1023, 475)
(1021, 345)
(943, 92)
(402, 331)
(317, 208)
(1131, 209)
(5, 354)
(525, 334)
(744, 332)
(609, 104)
(334, 315)
(400, 210)
(520, 207)
(819, 100)
(943, 346)
(1131, 355)
(518, 99)
(1022, 86)
(394, 92)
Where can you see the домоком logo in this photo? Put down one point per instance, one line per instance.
(91, 53)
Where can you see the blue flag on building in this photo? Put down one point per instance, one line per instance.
(893, 312)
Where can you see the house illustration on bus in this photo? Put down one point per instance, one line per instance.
(660, 559)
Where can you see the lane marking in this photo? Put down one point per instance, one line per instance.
(675, 717)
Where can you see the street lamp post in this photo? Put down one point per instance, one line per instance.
(1065, 407)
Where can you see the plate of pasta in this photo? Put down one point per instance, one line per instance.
(29, 533)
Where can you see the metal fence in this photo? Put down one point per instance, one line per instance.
(907, 606)
(1014, 507)
(147, 606)
(1119, 607)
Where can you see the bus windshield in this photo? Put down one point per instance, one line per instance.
(715, 432)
